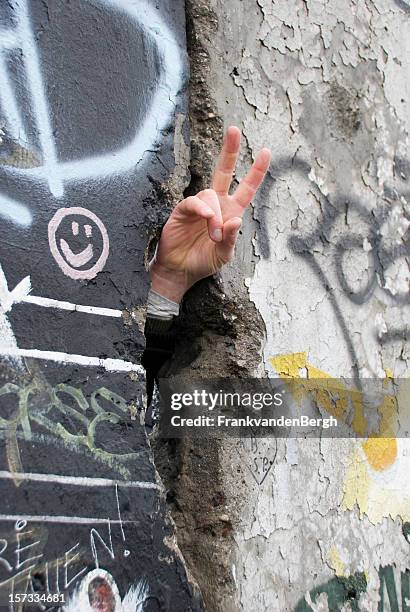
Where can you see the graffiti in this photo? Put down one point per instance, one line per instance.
(98, 591)
(259, 456)
(405, 4)
(54, 172)
(388, 586)
(22, 565)
(338, 592)
(15, 212)
(380, 424)
(345, 402)
(110, 365)
(72, 423)
(78, 239)
(8, 345)
(367, 237)
(347, 590)
(89, 91)
(67, 260)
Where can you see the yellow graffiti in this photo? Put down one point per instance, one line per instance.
(334, 397)
(336, 562)
(378, 452)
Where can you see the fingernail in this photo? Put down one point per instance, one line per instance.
(217, 235)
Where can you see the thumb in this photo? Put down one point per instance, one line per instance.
(230, 230)
(210, 197)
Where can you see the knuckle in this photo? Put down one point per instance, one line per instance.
(209, 192)
(190, 202)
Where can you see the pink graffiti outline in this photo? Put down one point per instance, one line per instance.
(62, 263)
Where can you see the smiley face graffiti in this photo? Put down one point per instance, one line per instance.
(78, 242)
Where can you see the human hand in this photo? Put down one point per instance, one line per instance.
(201, 232)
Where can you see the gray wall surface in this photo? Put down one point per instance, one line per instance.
(94, 150)
(319, 288)
(93, 99)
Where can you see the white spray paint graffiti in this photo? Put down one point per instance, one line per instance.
(7, 338)
(21, 293)
(98, 589)
(12, 210)
(14, 122)
(68, 520)
(54, 176)
(8, 344)
(60, 305)
(36, 86)
(79, 481)
(54, 172)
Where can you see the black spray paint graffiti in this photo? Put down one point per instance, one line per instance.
(334, 210)
(88, 98)
(404, 4)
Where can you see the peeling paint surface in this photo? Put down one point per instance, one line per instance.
(326, 86)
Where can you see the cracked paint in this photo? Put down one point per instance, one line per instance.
(326, 86)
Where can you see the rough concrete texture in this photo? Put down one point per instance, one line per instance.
(317, 524)
(218, 324)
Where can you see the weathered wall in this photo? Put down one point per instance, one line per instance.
(90, 94)
(318, 524)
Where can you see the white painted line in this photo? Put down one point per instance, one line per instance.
(146, 17)
(79, 481)
(7, 337)
(9, 40)
(21, 293)
(18, 213)
(14, 123)
(110, 365)
(50, 303)
(71, 520)
(38, 96)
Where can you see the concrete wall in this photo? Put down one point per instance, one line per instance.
(93, 133)
(94, 150)
(317, 524)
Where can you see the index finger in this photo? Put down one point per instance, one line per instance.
(252, 181)
(225, 165)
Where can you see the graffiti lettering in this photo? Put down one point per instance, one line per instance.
(45, 406)
(367, 239)
(70, 568)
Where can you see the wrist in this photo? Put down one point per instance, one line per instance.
(168, 283)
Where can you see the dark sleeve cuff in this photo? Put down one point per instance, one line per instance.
(157, 326)
(160, 342)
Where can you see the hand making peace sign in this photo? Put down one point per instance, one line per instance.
(201, 232)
